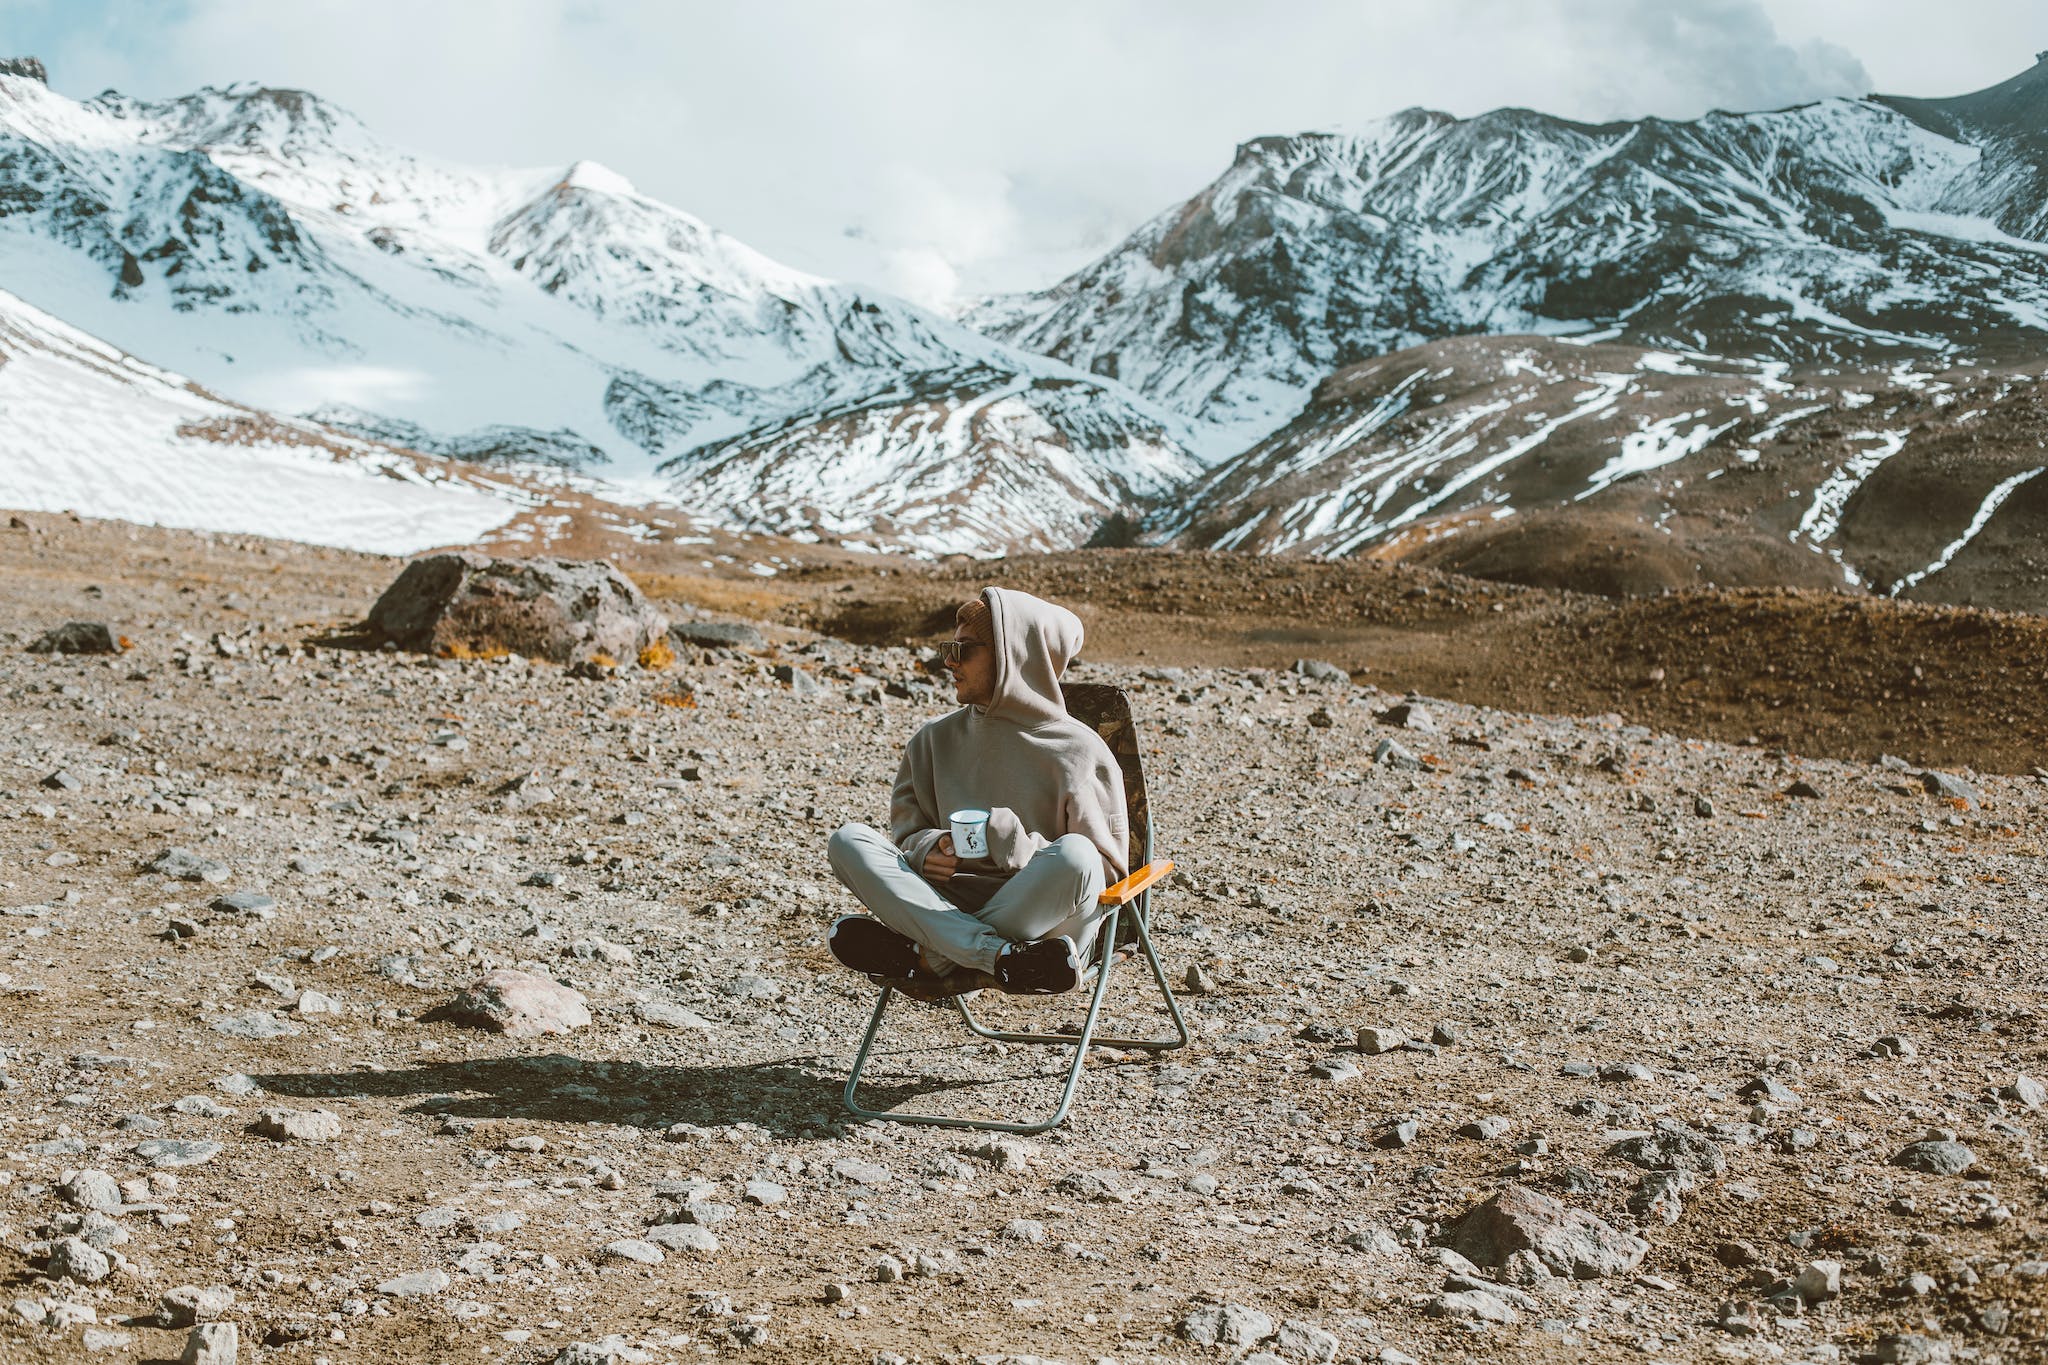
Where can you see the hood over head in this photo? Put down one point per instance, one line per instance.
(1035, 640)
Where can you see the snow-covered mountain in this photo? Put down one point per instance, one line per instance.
(86, 427)
(1848, 231)
(1609, 467)
(268, 245)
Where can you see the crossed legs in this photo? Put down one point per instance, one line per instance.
(1054, 895)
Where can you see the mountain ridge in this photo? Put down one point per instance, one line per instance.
(267, 243)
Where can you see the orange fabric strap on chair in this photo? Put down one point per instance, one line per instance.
(1129, 889)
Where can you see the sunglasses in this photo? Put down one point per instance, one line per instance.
(953, 651)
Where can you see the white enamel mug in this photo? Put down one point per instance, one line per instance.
(970, 833)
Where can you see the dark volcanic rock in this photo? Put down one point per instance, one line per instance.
(76, 637)
(24, 66)
(564, 610)
(1571, 1242)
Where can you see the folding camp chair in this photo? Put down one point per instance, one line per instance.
(1108, 711)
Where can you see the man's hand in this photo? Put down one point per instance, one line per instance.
(940, 864)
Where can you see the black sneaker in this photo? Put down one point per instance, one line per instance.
(1047, 966)
(865, 944)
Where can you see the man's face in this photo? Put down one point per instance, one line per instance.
(974, 676)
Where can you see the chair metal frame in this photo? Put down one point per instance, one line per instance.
(1132, 896)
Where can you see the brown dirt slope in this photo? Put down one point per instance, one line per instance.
(1816, 672)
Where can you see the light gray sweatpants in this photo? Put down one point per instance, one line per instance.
(1054, 894)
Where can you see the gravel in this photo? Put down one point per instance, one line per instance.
(1738, 1058)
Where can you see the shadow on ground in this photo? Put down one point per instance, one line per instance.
(790, 1097)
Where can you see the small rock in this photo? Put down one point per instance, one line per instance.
(1388, 754)
(1936, 1158)
(634, 1249)
(1225, 1324)
(1321, 670)
(189, 1304)
(1486, 1129)
(665, 1014)
(1409, 715)
(684, 1237)
(1304, 1341)
(1374, 1040)
(2025, 1091)
(76, 637)
(1198, 981)
(519, 1005)
(1735, 1255)
(1805, 790)
(183, 865)
(1740, 1318)
(1909, 1348)
(415, 1284)
(1473, 1304)
(1768, 1089)
(212, 1343)
(1949, 787)
(1672, 1147)
(1659, 1195)
(298, 1125)
(91, 1190)
(62, 781)
(177, 1151)
(1819, 1281)
(73, 1258)
(245, 905)
(1570, 1242)
(862, 1172)
(256, 1025)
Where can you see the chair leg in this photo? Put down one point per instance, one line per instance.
(860, 1059)
(1180, 1035)
(1080, 1043)
(1058, 1116)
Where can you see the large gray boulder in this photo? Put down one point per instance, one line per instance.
(564, 610)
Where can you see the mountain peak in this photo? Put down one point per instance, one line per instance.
(590, 175)
(30, 67)
(2018, 105)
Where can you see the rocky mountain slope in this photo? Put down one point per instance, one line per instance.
(1852, 231)
(268, 245)
(1610, 468)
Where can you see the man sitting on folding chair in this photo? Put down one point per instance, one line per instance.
(1023, 916)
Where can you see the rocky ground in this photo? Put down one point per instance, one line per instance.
(1516, 1037)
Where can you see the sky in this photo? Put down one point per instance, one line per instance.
(949, 149)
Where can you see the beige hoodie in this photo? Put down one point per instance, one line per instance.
(1037, 771)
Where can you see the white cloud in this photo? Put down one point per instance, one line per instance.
(942, 149)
